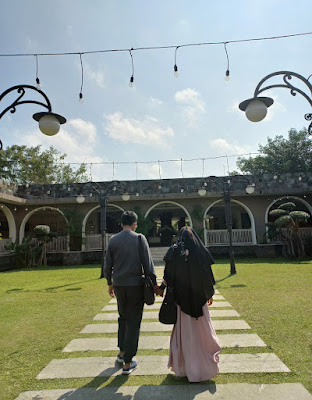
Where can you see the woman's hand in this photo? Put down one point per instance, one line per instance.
(210, 301)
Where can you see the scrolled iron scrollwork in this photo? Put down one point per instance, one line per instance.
(21, 90)
(287, 76)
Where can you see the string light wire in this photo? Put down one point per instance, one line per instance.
(158, 47)
(37, 72)
(175, 68)
(132, 64)
(227, 72)
(80, 94)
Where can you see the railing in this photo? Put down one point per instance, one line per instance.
(220, 236)
(303, 232)
(59, 243)
(94, 242)
(3, 243)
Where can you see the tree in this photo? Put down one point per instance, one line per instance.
(22, 164)
(32, 252)
(281, 155)
(287, 225)
(74, 228)
(144, 224)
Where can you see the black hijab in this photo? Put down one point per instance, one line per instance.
(188, 270)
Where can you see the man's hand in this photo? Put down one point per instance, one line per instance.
(210, 301)
(158, 291)
(111, 290)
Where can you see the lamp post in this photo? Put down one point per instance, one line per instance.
(256, 107)
(226, 185)
(103, 190)
(49, 122)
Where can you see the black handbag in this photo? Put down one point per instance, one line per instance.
(148, 286)
(168, 310)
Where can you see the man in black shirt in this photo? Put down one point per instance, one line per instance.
(123, 272)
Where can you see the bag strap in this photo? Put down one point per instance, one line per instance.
(141, 253)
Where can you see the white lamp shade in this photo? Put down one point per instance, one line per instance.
(250, 189)
(49, 125)
(125, 196)
(80, 199)
(256, 111)
(202, 192)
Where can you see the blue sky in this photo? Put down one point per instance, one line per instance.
(161, 117)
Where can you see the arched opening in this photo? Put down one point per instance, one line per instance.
(91, 226)
(7, 228)
(301, 205)
(167, 218)
(243, 229)
(55, 219)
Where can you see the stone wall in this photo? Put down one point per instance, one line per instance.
(290, 183)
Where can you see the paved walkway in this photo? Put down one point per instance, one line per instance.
(235, 363)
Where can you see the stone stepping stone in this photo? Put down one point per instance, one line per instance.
(154, 315)
(159, 343)
(90, 367)
(229, 391)
(156, 306)
(159, 299)
(158, 327)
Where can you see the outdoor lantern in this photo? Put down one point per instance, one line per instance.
(256, 111)
(49, 123)
(202, 191)
(250, 189)
(125, 196)
(80, 199)
(256, 108)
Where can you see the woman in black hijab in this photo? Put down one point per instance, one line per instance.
(194, 345)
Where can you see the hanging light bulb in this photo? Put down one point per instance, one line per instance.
(80, 97)
(182, 190)
(176, 73)
(38, 83)
(131, 81)
(227, 75)
(137, 193)
(68, 189)
(159, 186)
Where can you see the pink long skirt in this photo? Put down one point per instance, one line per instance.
(194, 347)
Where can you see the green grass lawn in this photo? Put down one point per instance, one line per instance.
(41, 310)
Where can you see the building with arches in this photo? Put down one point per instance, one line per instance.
(167, 205)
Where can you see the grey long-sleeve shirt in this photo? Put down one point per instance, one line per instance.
(123, 263)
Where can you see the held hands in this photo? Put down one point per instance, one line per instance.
(158, 291)
(210, 301)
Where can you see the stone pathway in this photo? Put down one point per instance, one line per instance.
(235, 363)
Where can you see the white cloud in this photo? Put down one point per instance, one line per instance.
(155, 101)
(77, 138)
(192, 105)
(96, 76)
(223, 147)
(128, 130)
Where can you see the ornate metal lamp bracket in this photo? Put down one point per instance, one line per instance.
(21, 92)
(287, 76)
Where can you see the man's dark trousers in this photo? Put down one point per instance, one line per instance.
(130, 300)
